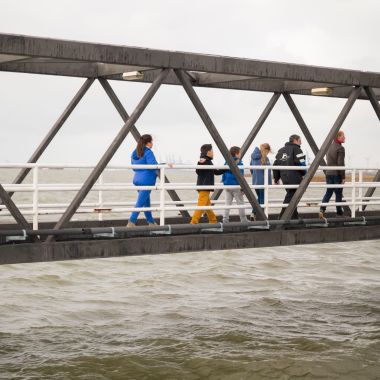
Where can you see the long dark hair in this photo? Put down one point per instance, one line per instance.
(143, 140)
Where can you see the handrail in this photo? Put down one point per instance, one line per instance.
(353, 198)
(178, 166)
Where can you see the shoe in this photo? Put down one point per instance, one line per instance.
(252, 217)
(131, 224)
(225, 221)
(322, 215)
(151, 224)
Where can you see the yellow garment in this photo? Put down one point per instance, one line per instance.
(203, 200)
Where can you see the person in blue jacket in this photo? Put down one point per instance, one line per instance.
(143, 155)
(229, 179)
(260, 157)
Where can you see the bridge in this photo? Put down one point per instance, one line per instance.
(107, 63)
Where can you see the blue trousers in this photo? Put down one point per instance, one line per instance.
(143, 200)
(260, 198)
(333, 180)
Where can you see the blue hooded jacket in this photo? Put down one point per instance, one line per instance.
(144, 177)
(258, 174)
(228, 178)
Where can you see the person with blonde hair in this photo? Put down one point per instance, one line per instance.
(259, 157)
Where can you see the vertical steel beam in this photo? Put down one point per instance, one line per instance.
(184, 79)
(321, 153)
(376, 106)
(107, 156)
(305, 130)
(13, 209)
(252, 135)
(54, 130)
(135, 133)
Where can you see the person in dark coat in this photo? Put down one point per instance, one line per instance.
(290, 155)
(205, 178)
(335, 157)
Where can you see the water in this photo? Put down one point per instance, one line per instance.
(301, 312)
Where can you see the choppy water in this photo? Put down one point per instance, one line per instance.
(304, 312)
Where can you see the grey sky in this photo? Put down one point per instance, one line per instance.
(335, 33)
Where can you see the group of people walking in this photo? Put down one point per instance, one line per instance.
(289, 155)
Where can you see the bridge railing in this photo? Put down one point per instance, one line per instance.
(37, 209)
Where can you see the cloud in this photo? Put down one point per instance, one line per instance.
(331, 33)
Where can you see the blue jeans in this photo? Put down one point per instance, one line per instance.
(333, 180)
(260, 198)
(143, 200)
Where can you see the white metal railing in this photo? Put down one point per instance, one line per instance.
(163, 205)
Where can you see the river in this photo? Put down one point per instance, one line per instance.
(300, 312)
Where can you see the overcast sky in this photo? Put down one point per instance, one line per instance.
(335, 33)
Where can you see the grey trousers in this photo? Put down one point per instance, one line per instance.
(238, 195)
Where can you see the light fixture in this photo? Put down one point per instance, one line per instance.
(321, 91)
(133, 75)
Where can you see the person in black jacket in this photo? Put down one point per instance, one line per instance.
(290, 155)
(205, 178)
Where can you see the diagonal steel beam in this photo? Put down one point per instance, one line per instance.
(13, 209)
(112, 149)
(135, 133)
(321, 153)
(301, 122)
(252, 135)
(54, 130)
(260, 122)
(184, 79)
(376, 106)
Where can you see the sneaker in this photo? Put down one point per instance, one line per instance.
(131, 224)
(152, 224)
(322, 215)
(252, 217)
(225, 221)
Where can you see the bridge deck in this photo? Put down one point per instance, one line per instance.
(143, 242)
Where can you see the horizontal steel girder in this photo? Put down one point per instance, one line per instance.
(28, 46)
(217, 81)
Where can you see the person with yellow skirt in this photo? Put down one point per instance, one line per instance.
(205, 178)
